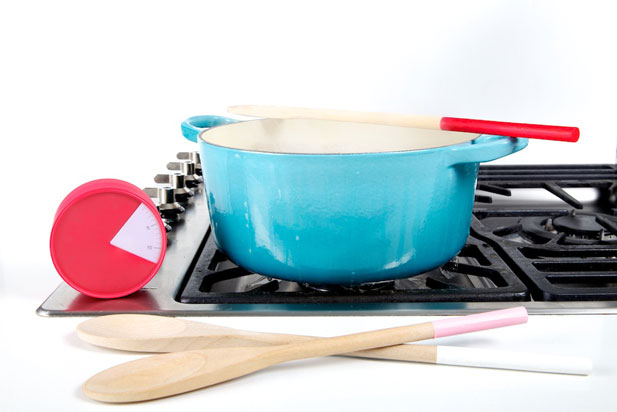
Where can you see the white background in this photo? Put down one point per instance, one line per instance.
(98, 89)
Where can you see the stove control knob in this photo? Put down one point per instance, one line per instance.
(188, 169)
(178, 183)
(193, 157)
(192, 178)
(168, 207)
(165, 200)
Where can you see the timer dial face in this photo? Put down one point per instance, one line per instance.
(140, 235)
(107, 242)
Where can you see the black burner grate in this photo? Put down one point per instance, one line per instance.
(555, 265)
(477, 274)
(553, 178)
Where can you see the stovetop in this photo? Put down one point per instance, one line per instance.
(542, 236)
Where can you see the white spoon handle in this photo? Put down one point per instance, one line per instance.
(499, 359)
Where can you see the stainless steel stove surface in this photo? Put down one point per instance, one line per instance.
(542, 236)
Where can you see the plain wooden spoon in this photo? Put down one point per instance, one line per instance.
(534, 131)
(173, 373)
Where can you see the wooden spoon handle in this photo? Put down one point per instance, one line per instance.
(534, 131)
(390, 119)
(392, 336)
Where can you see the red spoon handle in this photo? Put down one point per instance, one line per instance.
(535, 131)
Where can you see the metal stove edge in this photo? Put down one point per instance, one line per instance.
(158, 296)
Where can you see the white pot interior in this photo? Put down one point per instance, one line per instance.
(305, 136)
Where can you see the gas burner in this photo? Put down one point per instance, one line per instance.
(350, 289)
(581, 226)
(477, 274)
(572, 228)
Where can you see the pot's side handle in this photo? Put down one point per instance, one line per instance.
(486, 148)
(192, 126)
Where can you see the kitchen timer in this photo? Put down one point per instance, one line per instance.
(107, 239)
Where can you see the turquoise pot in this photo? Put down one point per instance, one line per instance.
(325, 213)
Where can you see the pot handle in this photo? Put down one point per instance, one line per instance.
(192, 126)
(486, 148)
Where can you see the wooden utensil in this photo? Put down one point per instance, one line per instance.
(533, 131)
(172, 373)
(149, 333)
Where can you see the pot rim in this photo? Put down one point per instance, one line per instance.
(470, 141)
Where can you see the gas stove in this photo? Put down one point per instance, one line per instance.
(542, 236)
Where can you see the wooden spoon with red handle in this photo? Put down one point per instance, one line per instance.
(533, 131)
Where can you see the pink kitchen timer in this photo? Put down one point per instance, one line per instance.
(107, 239)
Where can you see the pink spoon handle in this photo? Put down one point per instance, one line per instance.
(480, 321)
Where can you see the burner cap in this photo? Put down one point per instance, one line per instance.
(345, 289)
(575, 229)
(578, 225)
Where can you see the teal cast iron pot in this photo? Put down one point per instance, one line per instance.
(337, 202)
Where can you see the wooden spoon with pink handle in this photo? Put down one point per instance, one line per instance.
(534, 131)
(173, 373)
(151, 333)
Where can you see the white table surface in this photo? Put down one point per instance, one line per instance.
(45, 363)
